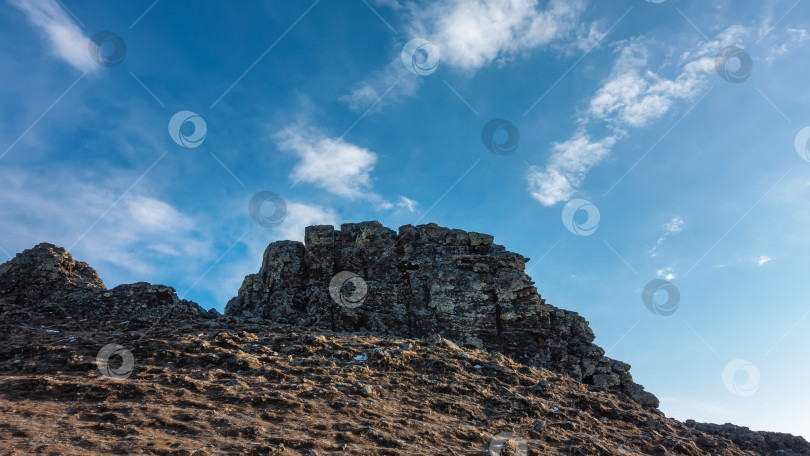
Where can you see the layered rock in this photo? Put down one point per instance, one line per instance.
(428, 280)
(46, 279)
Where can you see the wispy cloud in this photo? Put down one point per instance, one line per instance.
(143, 237)
(796, 38)
(66, 39)
(569, 163)
(471, 35)
(157, 216)
(667, 273)
(407, 203)
(632, 96)
(333, 164)
(763, 259)
(674, 225)
(385, 86)
(141, 234)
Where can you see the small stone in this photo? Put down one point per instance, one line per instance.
(367, 391)
(543, 387)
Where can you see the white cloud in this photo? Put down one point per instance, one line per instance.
(385, 86)
(65, 37)
(332, 164)
(569, 163)
(632, 96)
(796, 38)
(798, 35)
(674, 225)
(471, 35)
(666, 273)
(588, 37)
(141, 236)
(407, 203)
(156, 216)
(763, 259)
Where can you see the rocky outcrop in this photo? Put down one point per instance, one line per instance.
(758, 442)
(428, 280)
(46, 279)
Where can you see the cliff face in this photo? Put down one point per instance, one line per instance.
(426, 280)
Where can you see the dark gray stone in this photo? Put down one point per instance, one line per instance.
(46, 279)
(428, 280)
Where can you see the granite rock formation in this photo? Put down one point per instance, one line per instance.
(428, 280)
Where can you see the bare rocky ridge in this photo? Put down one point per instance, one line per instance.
(46, 278)
(429, 280)
(207, 384)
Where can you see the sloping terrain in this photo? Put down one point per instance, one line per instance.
(218, 386)
(135, 370)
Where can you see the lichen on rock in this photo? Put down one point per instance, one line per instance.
(426, 280)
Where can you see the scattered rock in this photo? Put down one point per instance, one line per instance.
(367, 391)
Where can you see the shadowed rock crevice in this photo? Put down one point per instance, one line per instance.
(428, 280)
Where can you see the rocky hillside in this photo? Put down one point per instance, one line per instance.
(135, 370)
(427, 280)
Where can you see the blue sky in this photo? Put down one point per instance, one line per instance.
(690, 176)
